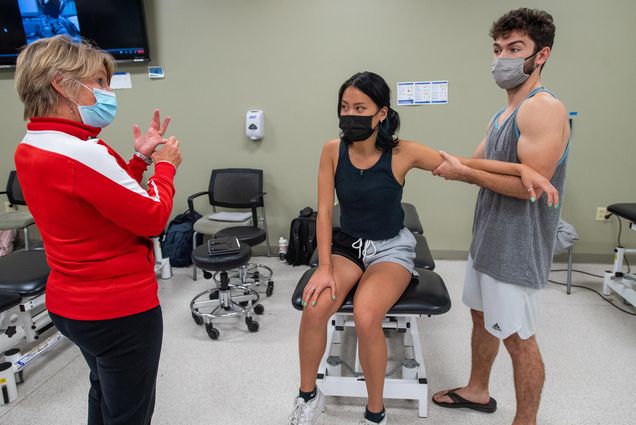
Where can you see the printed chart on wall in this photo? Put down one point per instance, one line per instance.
(422, 92)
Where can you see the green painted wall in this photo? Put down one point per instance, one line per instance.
(289, 57)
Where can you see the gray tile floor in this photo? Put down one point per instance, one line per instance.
(589, 349)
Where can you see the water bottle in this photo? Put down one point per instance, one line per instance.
(282, 249)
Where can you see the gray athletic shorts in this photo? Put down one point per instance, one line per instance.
(365, 253)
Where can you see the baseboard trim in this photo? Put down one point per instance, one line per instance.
(582, 257)
(446, 254)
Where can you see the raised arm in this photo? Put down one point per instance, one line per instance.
(453, 168)
(428, 159)
(422, 156)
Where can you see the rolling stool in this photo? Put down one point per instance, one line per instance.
(249, 273)
(226, 300)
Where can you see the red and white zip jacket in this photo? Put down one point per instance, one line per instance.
(95, 219)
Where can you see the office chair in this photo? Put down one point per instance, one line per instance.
(237, 188)
(15, 219)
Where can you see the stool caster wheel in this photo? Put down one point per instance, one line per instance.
(213, 332)
(245, 303)
(256, 277)
(214, 295)
(270, 288)
(252, 325)
(259, 309)
(207, 275)
(197, 319)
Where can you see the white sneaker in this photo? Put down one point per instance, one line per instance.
(306, 412)
(368, 422)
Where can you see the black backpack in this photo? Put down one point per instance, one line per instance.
(177, 243)
(302, 238)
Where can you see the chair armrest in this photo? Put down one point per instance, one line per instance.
(257, 197)
(191, 199)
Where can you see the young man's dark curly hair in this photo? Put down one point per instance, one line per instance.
(536, 24)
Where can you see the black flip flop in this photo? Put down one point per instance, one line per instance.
(459, 402)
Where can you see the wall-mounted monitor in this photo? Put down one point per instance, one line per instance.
(116, 26)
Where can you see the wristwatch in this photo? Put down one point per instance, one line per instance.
(143, 157)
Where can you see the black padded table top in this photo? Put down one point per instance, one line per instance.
(627, 211)
(24, 272)
(426, 294)
(8, 300)
(202, 260)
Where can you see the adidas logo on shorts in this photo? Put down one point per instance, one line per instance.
(496, 327)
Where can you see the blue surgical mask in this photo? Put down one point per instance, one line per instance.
(102, 112)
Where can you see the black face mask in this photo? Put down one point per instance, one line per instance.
(356, 128)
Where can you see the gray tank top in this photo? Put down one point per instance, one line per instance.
(513, 240)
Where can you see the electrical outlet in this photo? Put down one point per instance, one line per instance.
(601, 212)
(7, 206)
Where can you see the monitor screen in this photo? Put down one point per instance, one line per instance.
(116, 26)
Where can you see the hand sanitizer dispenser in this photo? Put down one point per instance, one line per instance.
(254, 125)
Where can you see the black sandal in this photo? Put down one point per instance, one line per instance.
(459, 402)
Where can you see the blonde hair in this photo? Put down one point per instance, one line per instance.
(46, 59)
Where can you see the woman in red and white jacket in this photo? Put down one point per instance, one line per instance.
(96, 221)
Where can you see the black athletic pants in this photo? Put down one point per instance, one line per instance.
(123, 357)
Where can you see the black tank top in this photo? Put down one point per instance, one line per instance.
(370, 200)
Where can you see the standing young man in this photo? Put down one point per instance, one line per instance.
(513, 233)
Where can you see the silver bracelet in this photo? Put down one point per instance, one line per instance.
(144, 158)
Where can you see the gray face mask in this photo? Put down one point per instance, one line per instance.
(509, 73)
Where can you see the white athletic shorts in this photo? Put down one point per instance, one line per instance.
(507, 308)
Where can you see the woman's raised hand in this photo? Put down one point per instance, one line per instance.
(147, 142)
